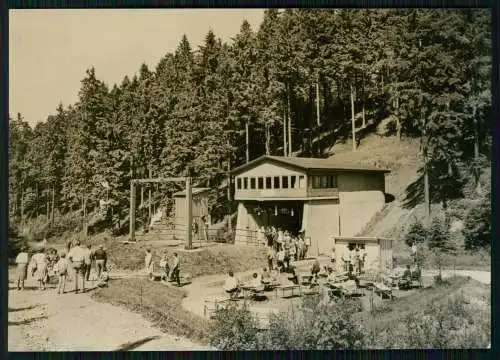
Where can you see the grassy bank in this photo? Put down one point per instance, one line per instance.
(158, 303)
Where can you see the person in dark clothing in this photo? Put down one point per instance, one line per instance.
(100, 257)
(175, 270)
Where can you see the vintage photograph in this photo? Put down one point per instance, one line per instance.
(249, 179)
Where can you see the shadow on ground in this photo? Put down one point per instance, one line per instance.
(24, 308)
(135, 344)
(27, 321)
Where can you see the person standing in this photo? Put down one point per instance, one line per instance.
(40, 268)
(88, 261)
(61, 268)
(22, 260)
(77, 257)
(164, 265)
(148, 261)
(271, 256)
(100, 257)
(175, 270)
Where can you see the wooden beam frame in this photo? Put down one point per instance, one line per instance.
(189, 204)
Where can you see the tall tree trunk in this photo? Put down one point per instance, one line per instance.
(363, 109)
(247, 142)
(427, 198)
(228, 176)
(398, 121)
(289, 117)
(318, 119)
(268, 150)
(149, 194)
(22, 204)
(53, 204)
(353, 120)
(285, 147)
(37, 203)
(476, 132)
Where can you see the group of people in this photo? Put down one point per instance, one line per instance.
(172, 270)
(354, 259)
(78, 259)
(283, 247)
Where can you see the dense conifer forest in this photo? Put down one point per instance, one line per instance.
(303, 81)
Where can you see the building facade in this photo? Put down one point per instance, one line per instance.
(323, 197)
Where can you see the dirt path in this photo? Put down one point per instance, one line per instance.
(45, 321)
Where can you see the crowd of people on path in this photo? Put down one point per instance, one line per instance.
(171, 270)
(76, 260)
(283, 247)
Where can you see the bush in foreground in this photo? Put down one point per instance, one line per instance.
(315, 325)
(453, 324)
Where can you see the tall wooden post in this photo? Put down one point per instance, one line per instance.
(189, 213)
(132, 211)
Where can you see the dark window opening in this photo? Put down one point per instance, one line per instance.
(293, 181)
(238, 183)
(269, 183)
(252, 183)
(245, 183)
(276, 182)
(260, 183)
(284, 182)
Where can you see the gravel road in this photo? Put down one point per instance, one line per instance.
(46, 321)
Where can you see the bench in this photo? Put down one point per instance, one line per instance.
(250, 292)
(285, 288)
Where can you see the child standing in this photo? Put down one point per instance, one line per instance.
(62, 270)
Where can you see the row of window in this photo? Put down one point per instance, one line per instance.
(271, 182)
(324, 182)
(285, 182)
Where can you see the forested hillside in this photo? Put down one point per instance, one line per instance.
(302, 82)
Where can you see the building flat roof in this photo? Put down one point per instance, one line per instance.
(308, 164)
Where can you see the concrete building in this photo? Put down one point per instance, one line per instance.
(323, 197)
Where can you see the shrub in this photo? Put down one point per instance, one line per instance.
(234, 329)
(416, 234)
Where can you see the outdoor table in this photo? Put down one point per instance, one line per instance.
(382, 289)
(284, 288)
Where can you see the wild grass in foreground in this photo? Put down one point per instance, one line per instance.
(158, 303)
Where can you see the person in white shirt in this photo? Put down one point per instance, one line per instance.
(77, 257)
(281, 239)
(62, 271)
(22, 261)
(231, 285)
(40, 268)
